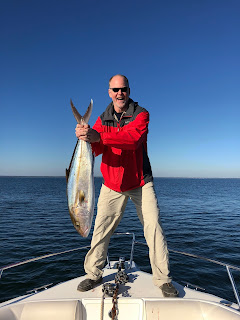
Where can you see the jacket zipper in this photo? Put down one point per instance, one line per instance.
(123, 115)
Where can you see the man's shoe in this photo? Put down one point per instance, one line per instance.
(88, 284)
(169, 290)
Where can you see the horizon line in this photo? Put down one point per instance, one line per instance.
(162, 177)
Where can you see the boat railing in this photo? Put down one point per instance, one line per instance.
(227, 266)
(10, 266)
(134, 242)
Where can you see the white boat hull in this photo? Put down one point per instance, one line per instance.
(138, 299)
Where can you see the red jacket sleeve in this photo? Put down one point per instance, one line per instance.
(129, 137)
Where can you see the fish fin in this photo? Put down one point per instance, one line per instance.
(67, 174)
(88, 113)
(76, 114)
(69, 168)
(81, 196)
(78, 117)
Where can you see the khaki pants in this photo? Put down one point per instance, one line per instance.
(111, 206)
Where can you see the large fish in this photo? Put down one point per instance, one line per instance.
(80, 180)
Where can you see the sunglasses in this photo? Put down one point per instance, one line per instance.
(124, 89)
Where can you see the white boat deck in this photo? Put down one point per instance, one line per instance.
(138, 299)
(139, 285)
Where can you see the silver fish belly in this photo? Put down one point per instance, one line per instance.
(80, 186)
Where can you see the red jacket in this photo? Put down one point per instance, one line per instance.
(123, 145)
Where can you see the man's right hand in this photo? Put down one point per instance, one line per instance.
(84, 132)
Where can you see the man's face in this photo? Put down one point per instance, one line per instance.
(119, 98)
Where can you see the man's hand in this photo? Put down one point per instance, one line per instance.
(84, 132)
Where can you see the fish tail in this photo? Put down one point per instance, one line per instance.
(82, 119)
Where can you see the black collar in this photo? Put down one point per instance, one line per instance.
(109, 112)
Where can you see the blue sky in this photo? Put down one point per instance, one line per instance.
(182, 61)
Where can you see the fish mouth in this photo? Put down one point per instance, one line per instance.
(83, 232)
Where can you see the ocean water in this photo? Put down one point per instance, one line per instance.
(199, 216)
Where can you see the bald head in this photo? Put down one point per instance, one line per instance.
(121, 76)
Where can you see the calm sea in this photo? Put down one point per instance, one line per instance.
(199, 216)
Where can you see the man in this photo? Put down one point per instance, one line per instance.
(120, 135)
